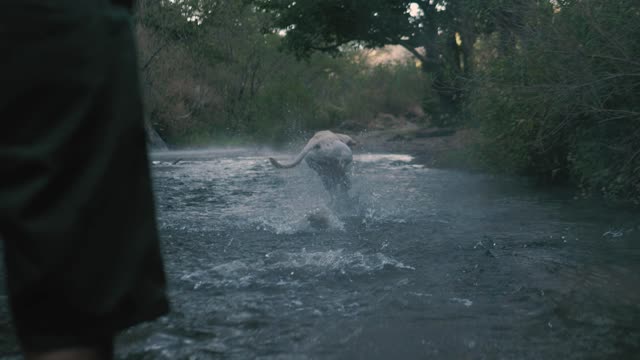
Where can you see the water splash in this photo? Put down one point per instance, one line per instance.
(369, 158)
(465, 302)
(304, 265)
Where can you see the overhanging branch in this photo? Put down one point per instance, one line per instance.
(428, 63)
(155, 53)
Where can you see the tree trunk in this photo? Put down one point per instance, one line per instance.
(154, 140)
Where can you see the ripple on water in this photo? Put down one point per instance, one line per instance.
(333, 260)
(318, 219)
(167, 345)
(301, 268)
(565, 276)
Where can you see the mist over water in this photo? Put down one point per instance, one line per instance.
(420, 263)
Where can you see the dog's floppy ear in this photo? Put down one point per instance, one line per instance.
(347, 140)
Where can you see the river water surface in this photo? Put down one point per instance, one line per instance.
(419, 264)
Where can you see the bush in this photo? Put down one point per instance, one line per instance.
(564, 103)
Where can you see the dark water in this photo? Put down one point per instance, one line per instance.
(423, 264)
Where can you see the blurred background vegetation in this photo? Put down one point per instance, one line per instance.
(223, 78)
(549, 88)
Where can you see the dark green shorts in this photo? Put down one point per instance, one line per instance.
(76, 207)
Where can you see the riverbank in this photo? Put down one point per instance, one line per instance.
(448, 148)
(432, 147)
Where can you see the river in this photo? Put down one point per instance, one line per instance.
(420, 264)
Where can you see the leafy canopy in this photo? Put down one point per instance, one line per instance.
(327, 25)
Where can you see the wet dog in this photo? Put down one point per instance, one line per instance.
(329, 155)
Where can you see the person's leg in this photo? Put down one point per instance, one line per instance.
(76, 208)
(96, 352)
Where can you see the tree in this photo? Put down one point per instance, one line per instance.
(559, 98)
(439, 33)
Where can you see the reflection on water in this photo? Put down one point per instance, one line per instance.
(367, 158)
(421, 263)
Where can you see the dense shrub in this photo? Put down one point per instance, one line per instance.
(564, 102)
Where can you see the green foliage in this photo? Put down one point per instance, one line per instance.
(220, 74)
(324, 92)
(553, 89)
(563, 102)
(440, 34)
(393, 88)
